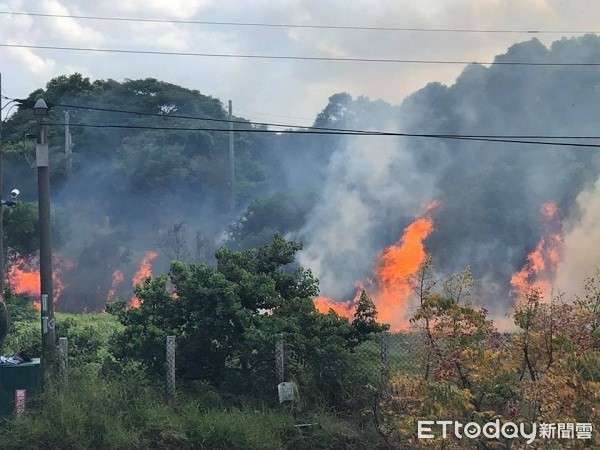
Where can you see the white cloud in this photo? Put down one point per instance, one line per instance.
(69, 30)
(42, 67)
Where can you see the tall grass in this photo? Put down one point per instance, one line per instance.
(128, 411)
(105, 408)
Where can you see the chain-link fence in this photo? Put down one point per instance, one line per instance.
(331, 373)
(335, 372)
(391, 353)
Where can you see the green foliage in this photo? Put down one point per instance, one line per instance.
(92, 413)
(20, 307)
(88, 337)
(365, 323)
(88, 334)
(23, 337)
(21, 229)
(149, 164)
(227, 319)
(143, 160)
(23, 334)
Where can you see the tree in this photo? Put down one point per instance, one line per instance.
(546, 372)
(335, 111)
(21, 228)
(227, 319)
(365, 323)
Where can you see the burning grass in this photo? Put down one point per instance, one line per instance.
(390, 289)
(142, 273)
(540, 267)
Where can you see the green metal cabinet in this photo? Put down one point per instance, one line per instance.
(18, 384)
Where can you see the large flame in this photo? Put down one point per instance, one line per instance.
(145, 271)
(390, 290)
(397, 264)
(540, 267)
(23, 275)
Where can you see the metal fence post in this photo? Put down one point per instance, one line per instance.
(279, 360)
(170, 363)
(63, 350)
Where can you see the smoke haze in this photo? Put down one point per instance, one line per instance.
(490, 193)
(346, 197)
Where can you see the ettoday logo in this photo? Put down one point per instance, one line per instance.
(508, 430)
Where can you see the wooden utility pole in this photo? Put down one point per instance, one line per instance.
(231, 161)
(46, 291)
(68, 147)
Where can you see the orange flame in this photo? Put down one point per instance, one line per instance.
(397, 264)
(343, 309)
(117, 278)
(391, 289)
(540, 268)
(24, 275)
(145, 271)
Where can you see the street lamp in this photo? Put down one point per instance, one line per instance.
(40, 110)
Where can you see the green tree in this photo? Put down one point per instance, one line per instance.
(21, 229)
(227, 319)
(365, 323)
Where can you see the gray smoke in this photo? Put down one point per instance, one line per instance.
(490, 193)
(581, 239)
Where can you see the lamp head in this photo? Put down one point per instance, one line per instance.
(40, 108)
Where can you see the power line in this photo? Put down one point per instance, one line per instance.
(291, 25)
(302, 127)
(303, 58)
(289, 128)
(178, 116)
(484, 138)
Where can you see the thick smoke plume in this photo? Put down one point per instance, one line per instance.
(490, 193)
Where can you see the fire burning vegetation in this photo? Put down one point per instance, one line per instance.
(342, 205)
(540, 269)
(117, 279)
(23, 274)
(391, 290)
(143, 272)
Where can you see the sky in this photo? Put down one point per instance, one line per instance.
(286, 91)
